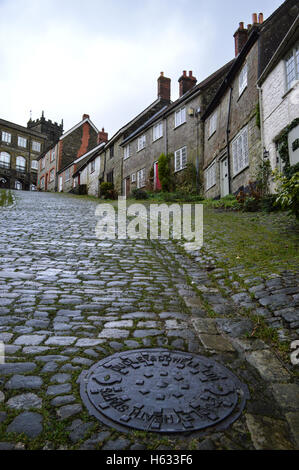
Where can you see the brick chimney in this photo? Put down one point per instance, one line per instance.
(241, 36)
(102, 136)
(164, 87)
(186, 82)
(261, 18)
(85, 116)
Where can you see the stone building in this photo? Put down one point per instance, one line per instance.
(279, 100)
(112, 159)
(20, 148)
(87, 174)
(232, 139)
(55, 163)
(175, 129)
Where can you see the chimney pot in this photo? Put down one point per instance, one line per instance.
(190, 73)
(261, 18)
(85, 116)
(241, 25)
(184, 73)
(254, 18)
(162, 74)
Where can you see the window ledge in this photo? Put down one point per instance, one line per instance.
(181, 169)
(179, 125)
(155, 140)
(240, 171)
(210, 136)
(210, 187)
(295, 84)
(242, 92)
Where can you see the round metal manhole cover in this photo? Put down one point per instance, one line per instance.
(162, 391)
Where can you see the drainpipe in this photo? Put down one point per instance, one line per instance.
(227, 137)
(197, 113)
(261, 119)
(166, 137)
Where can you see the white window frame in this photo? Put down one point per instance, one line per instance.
(22, 141)
(51, 178)
(141, 178)
(67, 174)
(292, 67)
(210, 175)
(133, 178)
(243, 78)
(52, 155)
(180, 117)
(141, 142)
(42, 182)
(180, 159)
(213, 123)
(92, 166)
(36, 146)
(6, 137)
(126, 151)
(240, 151)
(34, 164)
(5, 159)
(157, 131)
(22, 159)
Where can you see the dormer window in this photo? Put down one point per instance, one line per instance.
(243, 79)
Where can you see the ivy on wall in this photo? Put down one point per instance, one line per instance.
(283, 148)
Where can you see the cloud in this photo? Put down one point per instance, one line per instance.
(69, 57)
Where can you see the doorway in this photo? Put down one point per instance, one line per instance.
(224, 181)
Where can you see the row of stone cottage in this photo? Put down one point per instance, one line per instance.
(226, 125)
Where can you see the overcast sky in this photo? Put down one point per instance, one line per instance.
(103, 57)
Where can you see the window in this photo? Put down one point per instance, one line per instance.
(42, 182)
(133, 178)
(111, 150)
(51, 175)
(213, 123)
(110, 177)
(21, 164)
(292, 67)
(36, 146)
(22, 142)
(210, 176)
(141, 178)
(180, 159)
(180, 117)
(127, 152)
(4, 160)
(34, 165)
(243, 79)
(42, 163)
(6, 137)
(52, 155)
(92, 166)
(240, 151)
(158, 131)
(67, 175)
(141, 142)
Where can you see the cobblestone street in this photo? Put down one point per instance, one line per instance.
(67, 300)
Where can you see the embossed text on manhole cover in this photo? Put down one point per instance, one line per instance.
(162, 391)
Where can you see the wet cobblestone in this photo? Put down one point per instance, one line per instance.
(68, 300)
